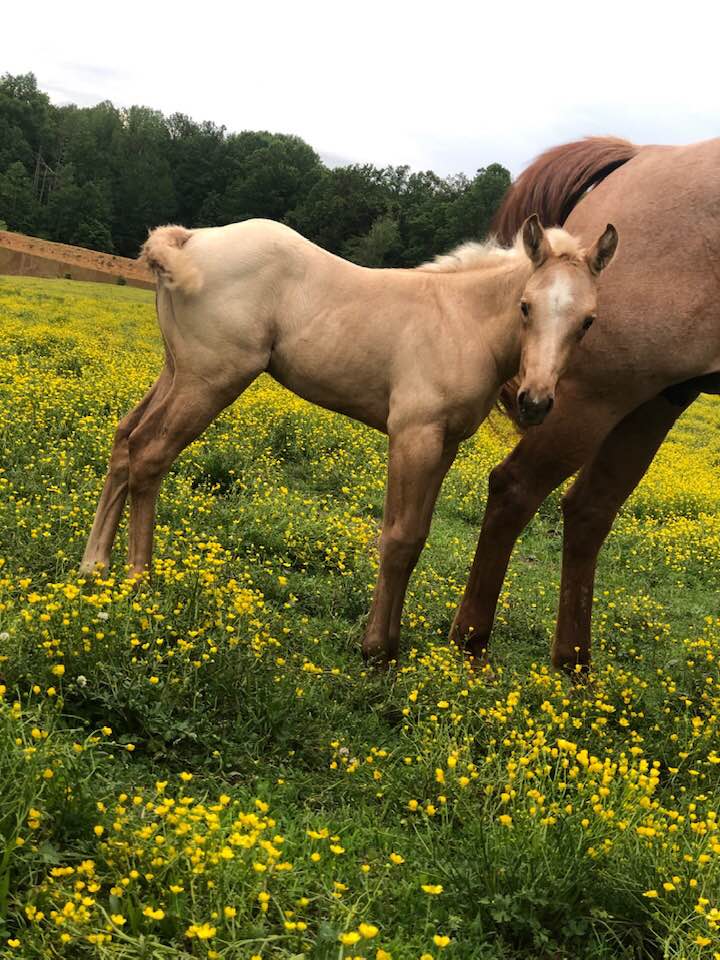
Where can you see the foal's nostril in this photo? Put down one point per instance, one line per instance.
(522, 397)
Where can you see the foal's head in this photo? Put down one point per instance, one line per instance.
(557, 308)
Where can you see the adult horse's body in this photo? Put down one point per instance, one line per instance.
(657, 348)
(419, 354)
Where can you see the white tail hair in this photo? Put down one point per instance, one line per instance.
(163, 253)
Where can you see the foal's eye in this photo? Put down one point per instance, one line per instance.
(588, 322)
(525, 308)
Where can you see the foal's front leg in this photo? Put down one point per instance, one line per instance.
(420, 456)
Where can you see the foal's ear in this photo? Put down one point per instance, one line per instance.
(603, 251)
(534, 240)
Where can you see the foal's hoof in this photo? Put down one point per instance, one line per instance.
(137, 578)
(92, 568)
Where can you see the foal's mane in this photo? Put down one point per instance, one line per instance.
(490, 253)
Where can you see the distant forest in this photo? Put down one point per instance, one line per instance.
(100, 176)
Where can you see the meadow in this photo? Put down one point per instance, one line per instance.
(204, 767)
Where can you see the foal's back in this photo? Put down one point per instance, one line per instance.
(333, 332)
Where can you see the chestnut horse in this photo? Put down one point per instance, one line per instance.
(657, 349)
(419, 354)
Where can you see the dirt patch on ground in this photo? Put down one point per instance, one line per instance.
(23, 256)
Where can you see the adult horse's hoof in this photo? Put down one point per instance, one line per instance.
(378, 654)
(470, 642)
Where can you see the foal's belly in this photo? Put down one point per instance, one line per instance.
(351, 396)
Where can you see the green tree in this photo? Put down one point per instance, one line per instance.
(472, 210)
(26, 121)
(112, 174)
(17, 199)
(74, 213)
(270, 173)
(198, 157)
(343, 203)
(143, 188)
(379, 247)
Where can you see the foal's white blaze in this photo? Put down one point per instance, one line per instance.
(560, 295)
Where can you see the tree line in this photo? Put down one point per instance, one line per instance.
(100, 176)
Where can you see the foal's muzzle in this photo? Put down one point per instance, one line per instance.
(532, 410)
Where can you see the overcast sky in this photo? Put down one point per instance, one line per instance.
(443, 86)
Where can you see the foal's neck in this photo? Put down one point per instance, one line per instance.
(494, 294)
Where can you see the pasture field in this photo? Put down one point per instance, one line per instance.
(204, 767)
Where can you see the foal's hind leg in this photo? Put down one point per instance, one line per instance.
(418, 461)
(590, 507)
(114, 493)
(167, 427)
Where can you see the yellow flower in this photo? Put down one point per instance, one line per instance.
(505, 819)
(158, 914)
(441, 941)
(185, 776)
(230, 912)
(383, 955)
(118, 919)
(434, 889)
(203, 931)
(650, 893)
(368, 930)
(396, 859)
(58, 670)
(349, 938)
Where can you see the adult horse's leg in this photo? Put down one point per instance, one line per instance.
(590, 507)
(419, 458)
(114, 493)
(540, 462)
(167, 427)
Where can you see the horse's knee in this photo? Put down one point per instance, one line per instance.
(401, 545)
(508, 493)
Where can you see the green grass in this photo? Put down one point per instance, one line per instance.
(235, 681)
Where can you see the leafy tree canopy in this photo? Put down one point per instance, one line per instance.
(102, 176)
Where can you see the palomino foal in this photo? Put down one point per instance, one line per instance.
(419, 354)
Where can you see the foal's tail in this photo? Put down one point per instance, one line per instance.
(163, 252)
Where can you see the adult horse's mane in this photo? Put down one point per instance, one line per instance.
(552, 186)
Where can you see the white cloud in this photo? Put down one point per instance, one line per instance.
(448, 86)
